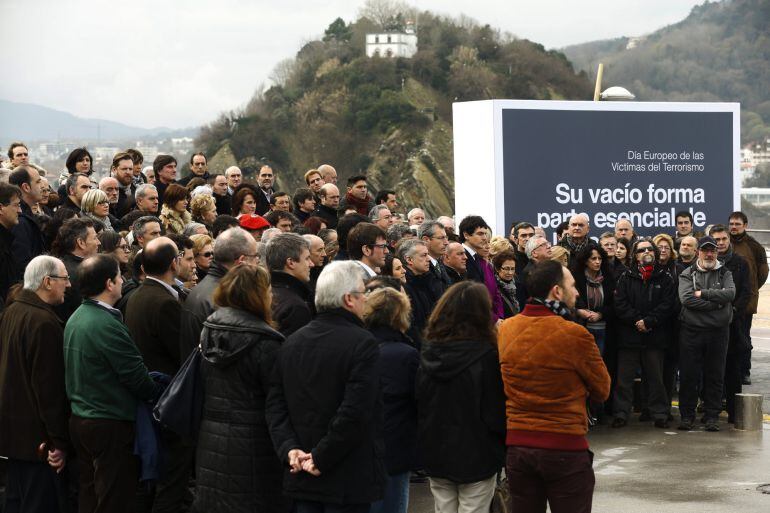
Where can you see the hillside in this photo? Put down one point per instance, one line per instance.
(388, 118)
(720, 52)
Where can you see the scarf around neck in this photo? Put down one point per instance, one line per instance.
(555, 306)
(646, 271)
(361, 205)
(576, 247)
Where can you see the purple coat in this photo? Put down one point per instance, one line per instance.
(494, 292)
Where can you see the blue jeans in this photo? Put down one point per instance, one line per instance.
(396, 499)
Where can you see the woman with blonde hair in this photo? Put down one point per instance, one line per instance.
(96, 207)
(204, 210)
(174, 215)
(203, 251)
(239, 347)
(667, 255)
(386, 315)
(560, 254)
(497, 245)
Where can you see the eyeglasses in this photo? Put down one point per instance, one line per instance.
(54, 277)
(440, 238)
(125, 247)
(207, 254)
(644, 250)
(508, 269)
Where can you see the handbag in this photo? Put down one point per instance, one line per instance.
(180, 406)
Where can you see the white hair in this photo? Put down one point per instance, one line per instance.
(230, 170)
(37, 269)
(584, 217)
(270, 233)
(532, 243)
(202, 189)
(141, 191)
(414, 211)
(337, 279)
(446, 221)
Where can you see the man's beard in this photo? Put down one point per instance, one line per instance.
(708, 264)
(648, 259)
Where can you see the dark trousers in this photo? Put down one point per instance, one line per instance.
(322, 507)
(651, 362)
(108, 468)
(733, 370)
(564, 479)
(745, 356)
(32, 487)
(172, 494)
(702, 353)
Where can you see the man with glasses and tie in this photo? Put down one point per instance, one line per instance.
(645, 300)
(433, 234)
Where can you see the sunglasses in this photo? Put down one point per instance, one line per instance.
(644, 250)
(207, 254)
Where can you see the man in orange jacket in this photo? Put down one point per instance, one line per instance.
(550, 366)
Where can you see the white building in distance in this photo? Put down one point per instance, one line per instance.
(392, 44)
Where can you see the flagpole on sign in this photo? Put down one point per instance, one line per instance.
(598, 88)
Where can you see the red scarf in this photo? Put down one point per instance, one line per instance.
(646, 271)
(361, 205)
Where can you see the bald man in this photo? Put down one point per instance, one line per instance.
(328, 173)
(576, 238)
(625, 230)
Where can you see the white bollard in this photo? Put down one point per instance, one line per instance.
(748, 412)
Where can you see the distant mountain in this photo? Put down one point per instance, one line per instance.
(29, 122)
(720, 52)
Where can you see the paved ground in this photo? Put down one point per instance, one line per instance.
(640, 469)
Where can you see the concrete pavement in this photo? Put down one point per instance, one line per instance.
(640, 469)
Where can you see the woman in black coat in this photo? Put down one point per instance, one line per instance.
(387, 317)
(596, 284)
(236, 466)
(460, 400)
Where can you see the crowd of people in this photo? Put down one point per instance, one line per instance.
(346, 345)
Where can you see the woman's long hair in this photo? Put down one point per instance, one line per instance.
(464, 312)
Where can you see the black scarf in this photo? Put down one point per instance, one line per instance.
(555, 306)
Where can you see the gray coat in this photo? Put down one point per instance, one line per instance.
(714, 308)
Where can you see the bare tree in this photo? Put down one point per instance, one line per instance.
(283, 72)
(382, 12)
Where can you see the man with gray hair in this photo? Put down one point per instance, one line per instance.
(537, 249)
(33, 402)
(287, 257)
(381, 216)
(323, 408)
(234, 247)
(415, 217)
(145, 229)
(434, 235)
(422, 286)
(449, 226)
(146, 197)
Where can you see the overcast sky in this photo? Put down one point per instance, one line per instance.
(180, 63)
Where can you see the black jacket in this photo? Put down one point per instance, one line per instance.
(291, 302)
(8, 275)
(653, 301)
(325, 399)
(126, 202)
(198, 306)
(224, 204)
(328, 214)
(424, 291)
(461, 410)
(740, 269)
(454, 276)
(472, 270)
(153, 317)
(72, 296)
(521, 259)
(244, 474)
(397, 368)
(27, 240)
